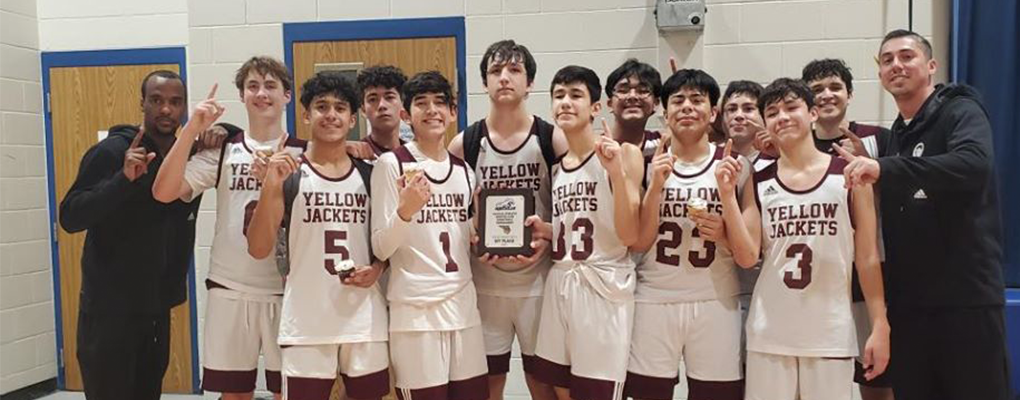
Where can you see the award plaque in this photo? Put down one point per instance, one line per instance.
(501, 218)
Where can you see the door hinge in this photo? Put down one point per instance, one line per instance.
(48, 102)
(54, 232)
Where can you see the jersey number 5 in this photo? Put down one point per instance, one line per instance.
(334, 246)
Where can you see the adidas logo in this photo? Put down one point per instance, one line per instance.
(770, 191)
(920, 195)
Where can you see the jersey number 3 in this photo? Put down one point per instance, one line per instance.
(586, 230)
(804, 264)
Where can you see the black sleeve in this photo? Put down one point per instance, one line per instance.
(99, 189)
(965, 165)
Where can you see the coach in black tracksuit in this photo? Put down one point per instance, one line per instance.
(137, 251)
(942, 232)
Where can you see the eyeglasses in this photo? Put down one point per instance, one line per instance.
(640, 91)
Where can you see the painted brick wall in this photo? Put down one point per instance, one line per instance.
(27, 341)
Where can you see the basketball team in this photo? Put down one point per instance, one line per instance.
(761, 239)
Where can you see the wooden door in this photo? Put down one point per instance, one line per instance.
(83, 101)
(410, 55)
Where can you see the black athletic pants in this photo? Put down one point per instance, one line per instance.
(123, 356)
(948, 353)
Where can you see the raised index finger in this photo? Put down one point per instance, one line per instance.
(850, 135)
(212, 92)
(672, 65)
(138, 137)
(728, 150)
(605, 128)
(663, 145)
(846, 155)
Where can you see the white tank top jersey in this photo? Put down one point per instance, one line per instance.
(801, 305)
(237, 193)
(681, 266)
(522, 167)
(584, 230)
(328, 224)
(652, 139)
(434, 264)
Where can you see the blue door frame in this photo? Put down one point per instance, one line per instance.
(376, 30)
(169, 55)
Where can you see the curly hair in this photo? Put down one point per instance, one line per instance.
(330, 82)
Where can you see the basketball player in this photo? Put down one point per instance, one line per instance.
(328, 324)
(686, 297)
(742, 121)
(800, 332)
(243, 309)
(632, 91)
(511, 149)
(380, 93)
(421, 196)
(584, 333)
(832, 84)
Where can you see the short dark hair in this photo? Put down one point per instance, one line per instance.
(821, 69)
(165, 74)
(264, 65)
(690, 79)
(577, 74)
(748, 88)
(334, 83)
(644, 73)
(898, 33)
(384, 76)
(506, 51)
(780, 88)
(427, 82)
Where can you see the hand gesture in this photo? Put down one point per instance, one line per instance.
(136, 160)
(260, 163)
(207, 112)
(710, 226)
(860, 170)
(876, 354)
(364, 276)
(608, 151)
(672, 65)
(661, 165)
(212, 138)
(763, 142)
(727, 171)
(279, 167)
(852, 143)
(414, 194)
(360, 150)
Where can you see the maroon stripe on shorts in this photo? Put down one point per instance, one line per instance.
(551, 373)
(371, 386)
(429, 393)
(476, 388)
(273, 381)
(229, 381)
(308, 388)
(649, 387)
(714, 390)
(498, 364)
(594, 389)
(529, 363)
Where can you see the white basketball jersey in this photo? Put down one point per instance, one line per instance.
(328, 224)
(522, 167)
(435, 263)
(801, 305)
(237, 193)
(584, 231)
(681, 266)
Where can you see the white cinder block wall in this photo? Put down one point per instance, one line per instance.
(27, 352)
(743, 39)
